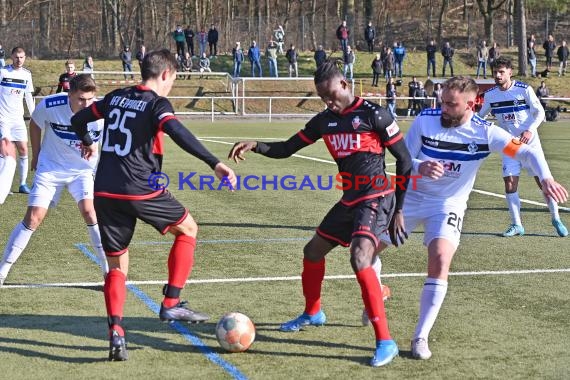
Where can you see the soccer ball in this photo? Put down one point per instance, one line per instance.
(235, 332)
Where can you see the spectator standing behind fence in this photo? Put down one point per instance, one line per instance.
(254, 56)
(213, 36)
(65, 78)
(431, 49)
(494, 53)
(292, 57)
(320, 56)
(391, 97)
(202, 40)
(399, 55)
(376, 70)
(447, 53)
(420, 96)
(238, 57)
(279, 35)
(531, 54)
(271, 55)
(370, 36)
(127, 60)
(89, 66)
(389, 62)
(2, 57)
(348, 59)
(437, 91)
(549, 46)
(343, 33)
(542, 92)
(482, 58)
(140, 55)
(179, 38)
(189, 36)
(562, 54)
(411, 93)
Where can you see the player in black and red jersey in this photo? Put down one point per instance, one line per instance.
(131, 155)
(356, 133)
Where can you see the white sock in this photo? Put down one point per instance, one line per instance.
(16, 244)
(553, 207)
(7, 170)
(377, 266)
(432, 297)
(23, 169)
(514, 205)
(95, 237)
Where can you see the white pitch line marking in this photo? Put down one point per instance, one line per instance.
(474, 190)
(288, 278)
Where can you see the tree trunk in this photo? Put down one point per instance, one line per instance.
(441, 16)
(325, 25)
(489, 27)
(44, 48)
(521, 35)
(368, 10)
(3, 21)
(312, 24)
(349, 16)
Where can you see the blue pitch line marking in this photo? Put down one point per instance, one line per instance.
(178, 327)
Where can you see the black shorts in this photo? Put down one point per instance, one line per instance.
(117, 218)
(367, 219)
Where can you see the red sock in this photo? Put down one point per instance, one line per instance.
(372, 297)
(312, 280)
(180, 262)
(115, 291)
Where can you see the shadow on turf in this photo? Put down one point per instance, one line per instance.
(55, 328)
(255, 225)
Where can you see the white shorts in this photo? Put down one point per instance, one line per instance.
(47, 188)
(14, 130)
(440, 218)
(513, 168)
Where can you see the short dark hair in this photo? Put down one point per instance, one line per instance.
(327, 70)
(461, 84)
(18, 49)
(503, 61)
(83, 83)
(156, 61)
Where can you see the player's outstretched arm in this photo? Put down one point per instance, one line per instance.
(554, 190)
(239, 149)
(223, 172)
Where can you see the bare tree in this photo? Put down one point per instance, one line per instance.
(44, 26)
(444, 5)
(521, 35)
(487, 9)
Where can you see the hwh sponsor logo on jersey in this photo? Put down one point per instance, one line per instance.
(343, 143)
(451, 169)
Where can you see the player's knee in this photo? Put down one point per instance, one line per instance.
(33, 220)
(315, 250)
(361, 253)
(187, 227)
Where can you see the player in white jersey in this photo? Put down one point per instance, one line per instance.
(59, 164)
(15, 85)
(447, 147)
(519, 112)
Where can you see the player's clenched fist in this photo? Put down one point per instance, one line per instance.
(239, 149)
